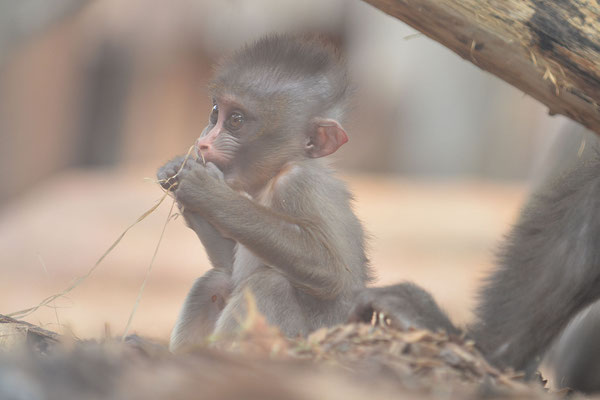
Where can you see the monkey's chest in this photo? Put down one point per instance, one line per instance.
(245, 264)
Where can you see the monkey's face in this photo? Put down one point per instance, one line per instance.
(243, 138)
(251, 138)
(220, 141)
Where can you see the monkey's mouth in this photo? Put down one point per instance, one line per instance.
(200, 157)
(205, 157)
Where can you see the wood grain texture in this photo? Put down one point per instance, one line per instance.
(548, 49)
(14, 333)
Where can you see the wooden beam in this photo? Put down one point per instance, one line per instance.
(548, 49)
(14, 333)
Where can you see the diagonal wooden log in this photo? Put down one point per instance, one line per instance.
(15, 333)
(548, 49)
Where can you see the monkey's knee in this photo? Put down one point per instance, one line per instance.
(275, 298)
(201, 309)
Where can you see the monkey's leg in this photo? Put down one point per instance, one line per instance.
(275, 298)
(201, 309)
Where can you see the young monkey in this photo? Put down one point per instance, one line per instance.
(272, 217)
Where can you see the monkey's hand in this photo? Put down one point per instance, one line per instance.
(198, 187)
(214, 171)
(402, 306)
(189, 186)
(168, 176)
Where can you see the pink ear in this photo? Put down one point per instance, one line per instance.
(326, 137)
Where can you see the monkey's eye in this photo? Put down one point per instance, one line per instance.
(214, 114)
(235, 122)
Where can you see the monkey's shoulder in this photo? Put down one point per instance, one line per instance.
(308, 185)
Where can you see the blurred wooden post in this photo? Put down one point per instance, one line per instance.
(548, 49)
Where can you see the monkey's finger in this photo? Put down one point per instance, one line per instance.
(177, 166)
(189, 163)
(382, 304)
(167, 179)
(214, 171)
(167, 171)
(169, 184)
(169, 175)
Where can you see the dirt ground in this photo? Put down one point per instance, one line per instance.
(441, 235)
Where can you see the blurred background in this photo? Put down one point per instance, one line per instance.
(96, 95)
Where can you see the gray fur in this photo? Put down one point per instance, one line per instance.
(309, 69)
(272, 219)
(548, 271)
(204, 303)
(576, 356)
(220, 250)
(411, 307)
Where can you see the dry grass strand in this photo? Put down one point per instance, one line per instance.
(83, 278)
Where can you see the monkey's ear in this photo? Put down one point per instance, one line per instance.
(325, 137)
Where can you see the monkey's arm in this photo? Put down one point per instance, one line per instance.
(549, 270)
(219, 250)
(297, 247)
